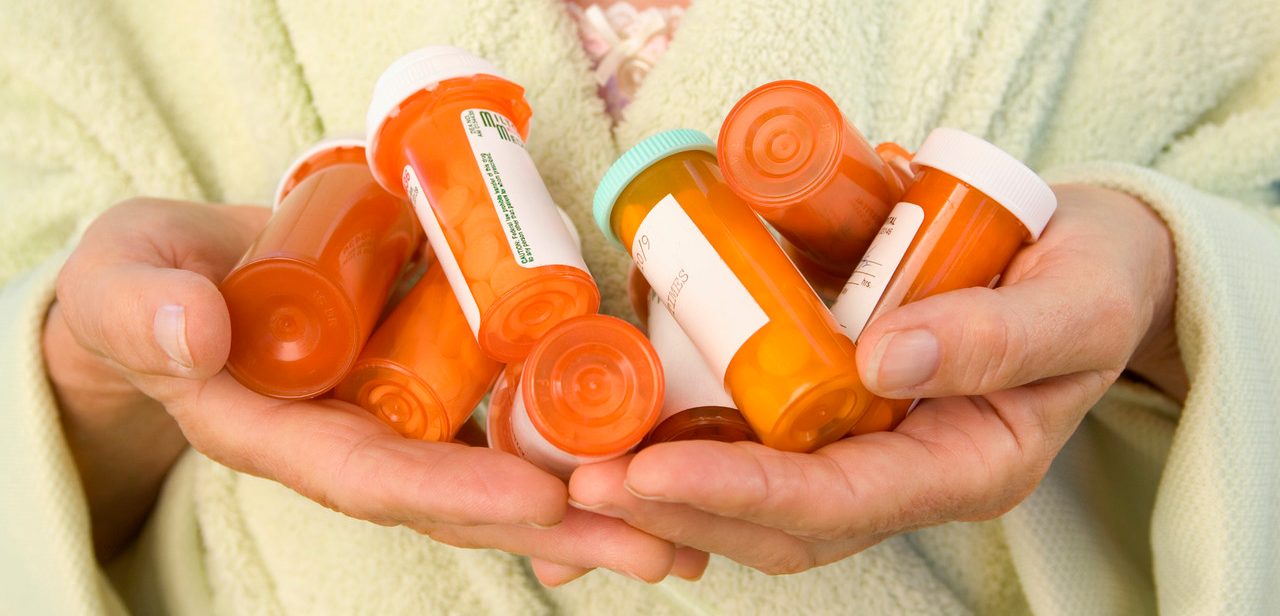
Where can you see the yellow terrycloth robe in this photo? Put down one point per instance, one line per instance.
(1151, 505)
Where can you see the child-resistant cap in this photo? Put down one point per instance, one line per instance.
(418, 70)
(324, 153)
(993, 171)
(593, 386)
(637, 159)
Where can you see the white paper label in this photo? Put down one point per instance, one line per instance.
(444, 252)
(690, 382)
(860, 295)
(695, 284)
(533, 228)
(537, 449)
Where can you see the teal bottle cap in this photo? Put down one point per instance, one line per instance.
(637, 159)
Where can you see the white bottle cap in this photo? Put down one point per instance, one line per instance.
(991, 170)
(320, 147)
(421, 69)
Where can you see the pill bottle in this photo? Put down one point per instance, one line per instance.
(898, 159)
(306, 295)
(787, 151)
(422, 372)
(589, 391)
(696, 406)
(447, 131)
(472, 434)
(761, 329)
(959, 224)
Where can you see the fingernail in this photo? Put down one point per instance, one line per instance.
(537, 526)
(604, 509)
(904, 360)
(170, 330)
(643, 496)
(632, 576)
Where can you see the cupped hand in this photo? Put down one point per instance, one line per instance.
(1008, 374)
(136, 344)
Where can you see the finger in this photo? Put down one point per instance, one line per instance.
(600, 489)
(952, 459)
(140, 290)
(690, 563)
(583, 540)
(552, 574)
(976, 341)
(341, 456)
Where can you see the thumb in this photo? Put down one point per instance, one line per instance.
(977, 341)
(140, 290)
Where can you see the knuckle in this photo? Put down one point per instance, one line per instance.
(792, 560)
(996, 345)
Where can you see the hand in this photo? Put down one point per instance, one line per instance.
(135, 347)
(1010, 373)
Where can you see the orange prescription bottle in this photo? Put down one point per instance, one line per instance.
(447, 130)
(898, 159)
(696, 406)
(589, 391)
(786, 150)
(306, 295)
(756, 322)
(422, 372)
(969, 210)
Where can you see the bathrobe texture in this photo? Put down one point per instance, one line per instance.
(1151, 505)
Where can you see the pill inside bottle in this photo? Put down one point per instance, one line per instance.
(306, 295)
(589, 391)
(969, 210)
(714, 266)
(447, 130)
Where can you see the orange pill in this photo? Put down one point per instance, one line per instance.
(440, 119)
(422, 373)
(306, 295)
(715, 267)
(589, 391)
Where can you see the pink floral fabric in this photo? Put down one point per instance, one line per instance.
(624, 40)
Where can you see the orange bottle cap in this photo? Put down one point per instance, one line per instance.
(324, 153)
(593, 386)
(295, 341)
(781, 143)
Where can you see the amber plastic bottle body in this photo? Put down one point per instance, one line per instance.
(422, 372)
(794, 377)
(589, 391)
(959, 238)
(696, 406)
(425, 151)
(789, 153)
(305, 297)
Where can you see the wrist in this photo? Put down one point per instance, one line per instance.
(1157, 358)
(104, 418)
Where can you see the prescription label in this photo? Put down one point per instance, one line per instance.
(444, 253)
(860, 295)
(695, 284)
(533, 228)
